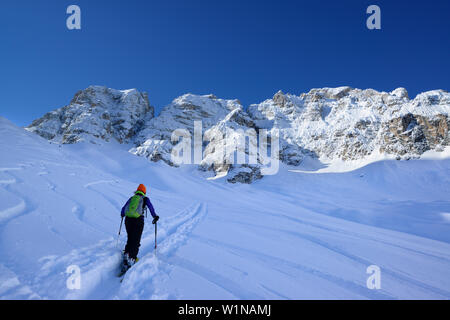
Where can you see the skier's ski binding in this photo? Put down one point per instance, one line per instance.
(127, 263)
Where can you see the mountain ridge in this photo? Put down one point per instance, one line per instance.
(327, 124)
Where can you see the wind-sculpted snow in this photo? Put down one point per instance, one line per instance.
(298, 235)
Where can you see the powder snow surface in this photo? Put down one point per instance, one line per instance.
(295, 235)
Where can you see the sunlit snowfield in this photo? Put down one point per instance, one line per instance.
(295, 235)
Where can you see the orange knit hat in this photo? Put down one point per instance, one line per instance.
(142, 189)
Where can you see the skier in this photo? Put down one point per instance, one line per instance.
(133, 211)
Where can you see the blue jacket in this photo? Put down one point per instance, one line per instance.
(147, 204)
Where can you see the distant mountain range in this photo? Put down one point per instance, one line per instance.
(326, 124)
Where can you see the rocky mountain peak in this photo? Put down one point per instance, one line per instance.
(326, 124)
(96, 113)
(329, 93)
(400, 93)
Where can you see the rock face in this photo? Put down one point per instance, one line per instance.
(96, 113)
(326, 124)
(217, 117)
(233, 137)
(350, 124)
(154, 140)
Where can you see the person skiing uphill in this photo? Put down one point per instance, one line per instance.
(133, 211)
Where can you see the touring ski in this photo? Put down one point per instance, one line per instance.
(125, 266)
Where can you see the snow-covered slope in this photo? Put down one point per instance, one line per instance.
(290, 236)
(327, 124)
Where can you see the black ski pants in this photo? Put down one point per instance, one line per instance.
(134, 227)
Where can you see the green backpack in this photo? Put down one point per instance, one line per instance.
(135, 207)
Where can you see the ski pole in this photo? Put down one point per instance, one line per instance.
(156, 224)
(121, 221)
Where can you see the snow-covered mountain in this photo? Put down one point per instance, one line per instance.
(96, 113)
(327, 124)
(154, 140)
(350, 124)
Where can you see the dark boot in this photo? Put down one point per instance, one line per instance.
(134, 227)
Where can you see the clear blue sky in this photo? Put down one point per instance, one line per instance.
(235, 49)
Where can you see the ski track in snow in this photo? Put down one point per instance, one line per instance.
(104, 195)
(292, 268)
(275, 262)
(77, 208)
(360, 236)
(12, 212)
(10, 285)
(153, 265)
(345, 232)
(24, 204)
(99, 264)
(12, 288)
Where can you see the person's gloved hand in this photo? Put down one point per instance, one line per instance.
(122, 214)
(155, 219)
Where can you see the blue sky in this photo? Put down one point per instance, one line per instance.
(244, 49)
